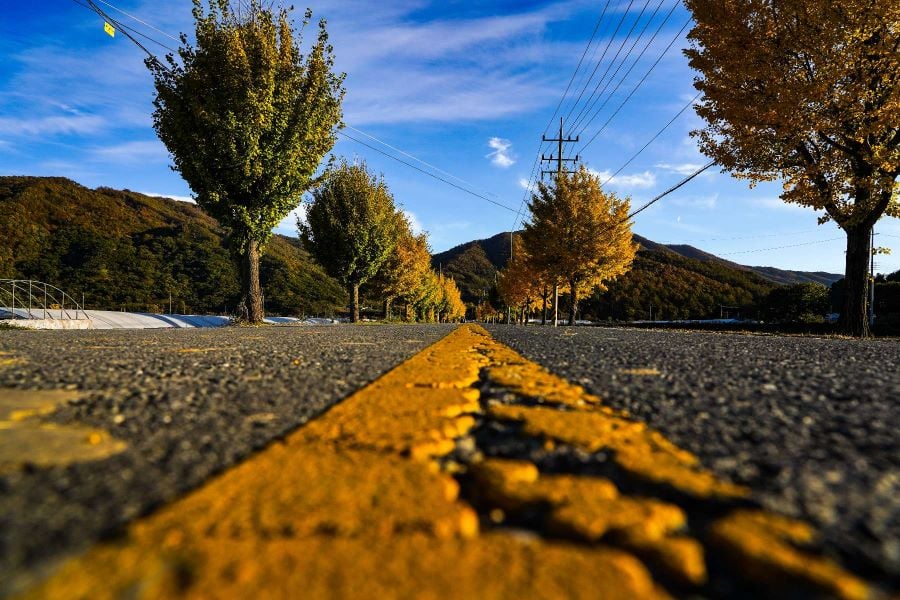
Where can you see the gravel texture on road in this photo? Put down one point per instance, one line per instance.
(810, 424)
(188, 402)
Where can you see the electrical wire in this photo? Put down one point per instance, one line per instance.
(600, 61)
(116, 23)
(124, 29)
(653, 139)
(144, 23)
(595, 96)
(430, 174)
(742, 237)
(779, 247)
(650, 203)
(532, 177)
(577, 68)
(585, 122)
(636, 87)
(419, 160)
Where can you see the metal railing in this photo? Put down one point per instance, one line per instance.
(30, 299)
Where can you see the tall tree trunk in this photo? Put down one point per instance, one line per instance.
(855, 318)
(544, 307)
(251, 291)
(555, 305)
(573, 291)
(387, 307)
(354, 302)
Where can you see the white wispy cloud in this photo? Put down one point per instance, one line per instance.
(633, 180)
(680, 168)
(50, 125)
(401, 69)
(772, 203)
(525, 184)
(170, 196)
(502, 155)
(288, 225)
(414, 223)
(708, 201)
(131, 152)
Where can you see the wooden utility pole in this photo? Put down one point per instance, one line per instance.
(560, 161)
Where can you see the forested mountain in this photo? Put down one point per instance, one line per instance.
(773, 274)
(127, 250)
(679, 282)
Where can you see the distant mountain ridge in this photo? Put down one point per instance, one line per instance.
(675, 282)
(496, 249)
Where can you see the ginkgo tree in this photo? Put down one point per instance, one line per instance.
(520, 284)
(247, 118)
(351, 226)
(807, 92)
(578, 233)
(403, 269)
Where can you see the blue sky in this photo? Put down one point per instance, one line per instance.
(468, 87)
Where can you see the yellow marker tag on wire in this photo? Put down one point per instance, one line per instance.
(109, 29)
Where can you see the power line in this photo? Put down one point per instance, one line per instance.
(439, 178)
(742, 237)
(635, 88)
(779, 247)
(600, 61)
(595, 97)
(653, 139)
(123, 27)
(532, 178)
(669, 191)
(577, 68)
(419, 160)
(585, 124)
(146, 24)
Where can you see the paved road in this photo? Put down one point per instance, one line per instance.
(805, 424)
(809, 424)
(187, 403)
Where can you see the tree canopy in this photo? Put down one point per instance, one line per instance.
(808, 92)
(403, 269)
(351, 226)
(520, 283)
(247, 118)
(578, 233)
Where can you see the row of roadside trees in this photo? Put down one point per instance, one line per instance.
(248, 118)
(354, 229)
(803, 91)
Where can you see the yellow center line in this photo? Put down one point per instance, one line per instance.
(26, 440)
(361, 503)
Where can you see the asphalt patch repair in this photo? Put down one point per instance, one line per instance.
(464, 472)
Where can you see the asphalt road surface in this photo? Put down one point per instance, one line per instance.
(809, 424)
(187, 402)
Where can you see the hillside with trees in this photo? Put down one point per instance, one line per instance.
(678, 287)
(130, 251)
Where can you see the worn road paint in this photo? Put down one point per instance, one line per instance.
(25, 440)
(648, 372)
(362, 503)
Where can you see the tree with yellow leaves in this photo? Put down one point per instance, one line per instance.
(808, 92)
(451, 308)
(578, 233)
(520, 284)
(402, 272)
